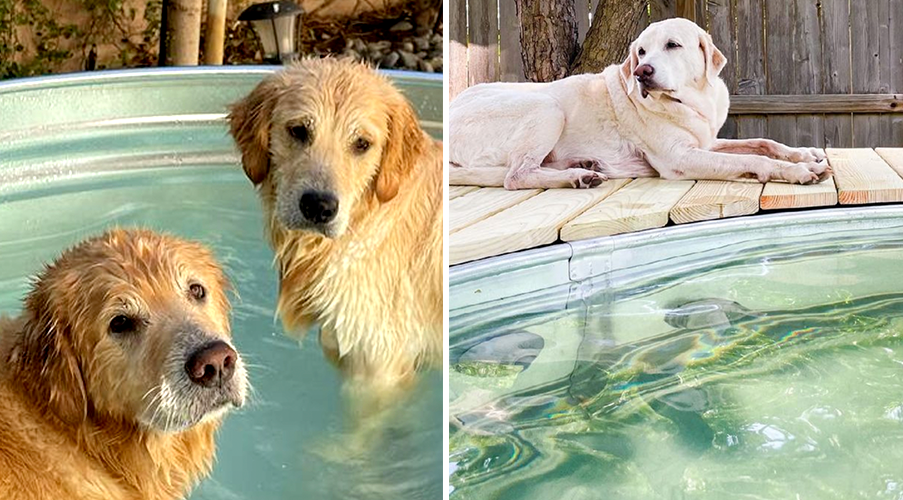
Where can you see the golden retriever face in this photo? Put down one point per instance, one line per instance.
(321, 136)
(671, 57)
(133, 326)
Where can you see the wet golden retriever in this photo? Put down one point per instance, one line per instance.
(657, 114)
(351, 188)
(116, 375)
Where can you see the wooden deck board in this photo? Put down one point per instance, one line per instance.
(458, 191)
(486, 222)
(862, 176)
(482, 204)
(531, 223)
(717, 199)
(893, 157)
(783, 195)
(642, 204)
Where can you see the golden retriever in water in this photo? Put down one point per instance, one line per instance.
(116, 375)
(352, 193)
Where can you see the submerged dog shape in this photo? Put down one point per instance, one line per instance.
(117, 374)
(351, 188)
(657, 114)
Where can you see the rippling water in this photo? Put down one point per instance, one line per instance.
(291, 441)
(798, 397)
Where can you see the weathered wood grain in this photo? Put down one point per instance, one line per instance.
(783, 195)
(837, 79)
(482, 62)
(807, 70)
(511, 64)
(456, 191)
(457, 48)
(482, 204)
(750, 64)
(642, 204)
(529, 224)
(780, 65)
(717, 199)
(816, 103)
(862, 176)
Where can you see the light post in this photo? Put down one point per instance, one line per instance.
(274, 24)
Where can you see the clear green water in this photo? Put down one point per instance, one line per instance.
(801, 398)
(290, 441)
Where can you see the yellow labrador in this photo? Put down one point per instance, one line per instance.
(658, 113)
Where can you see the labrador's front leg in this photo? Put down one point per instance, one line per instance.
(699, 164)
(769, 148)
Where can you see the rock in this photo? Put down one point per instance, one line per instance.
(436, 39)
(436, 63)
(421, 55)
(351, 54)
(407, 47)
(389, 60)
(379, 47)
(402, 26)
(408, 60)
(359, 46)
(424, 66)
(421, 43)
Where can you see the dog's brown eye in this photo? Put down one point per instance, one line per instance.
(672, 45)
(197, 291)
(641, 52)
(122, 324)
(300, 132)
(361, 145)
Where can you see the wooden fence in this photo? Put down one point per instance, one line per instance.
(825, 73)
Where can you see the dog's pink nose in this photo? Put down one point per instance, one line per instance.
(212, 365)
(644, 71)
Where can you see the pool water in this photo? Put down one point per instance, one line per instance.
(774, 378)
(291, 440)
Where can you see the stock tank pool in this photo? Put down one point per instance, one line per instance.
(81, 153)
(755, 358)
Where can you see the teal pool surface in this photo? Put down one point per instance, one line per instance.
(774, 373)
(290, 441)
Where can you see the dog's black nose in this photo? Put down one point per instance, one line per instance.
(644, 71)
(319, 207)
(211, 365)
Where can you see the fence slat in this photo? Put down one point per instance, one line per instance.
(750, 64)
(779, 63)
(511, 64)
(808, 78)
(869, 51)
(457, 48)
(837, 77)
(896, 66)
(481, 51)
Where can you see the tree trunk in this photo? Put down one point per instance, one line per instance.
(183, 37)
(548, 38)
(614, 26)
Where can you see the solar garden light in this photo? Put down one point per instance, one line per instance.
(274, 24)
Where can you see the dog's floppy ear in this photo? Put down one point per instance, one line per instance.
(714, 59)
(628, 67)
(45, 359)
(404, 145)
(249, 124)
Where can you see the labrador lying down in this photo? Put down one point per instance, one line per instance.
(116, 375)
(658, 113)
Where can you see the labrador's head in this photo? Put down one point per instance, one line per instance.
(671, 57)
(323, 136)
(132, 326)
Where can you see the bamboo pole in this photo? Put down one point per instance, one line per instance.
(214, 36)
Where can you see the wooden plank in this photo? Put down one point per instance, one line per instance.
(863, 177)
(896, 67)
(837, 77)
(781, 195)
(780, 65)
(529, 224)
(482, 62)
(457, 48)
(893, 157)
(721, 26)
(819, 103)
(642, 204)
(717, 199)
(687, 9)
(511, 64)
(750, 63)
(482, 204)
(457, 191)
(869, 49)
